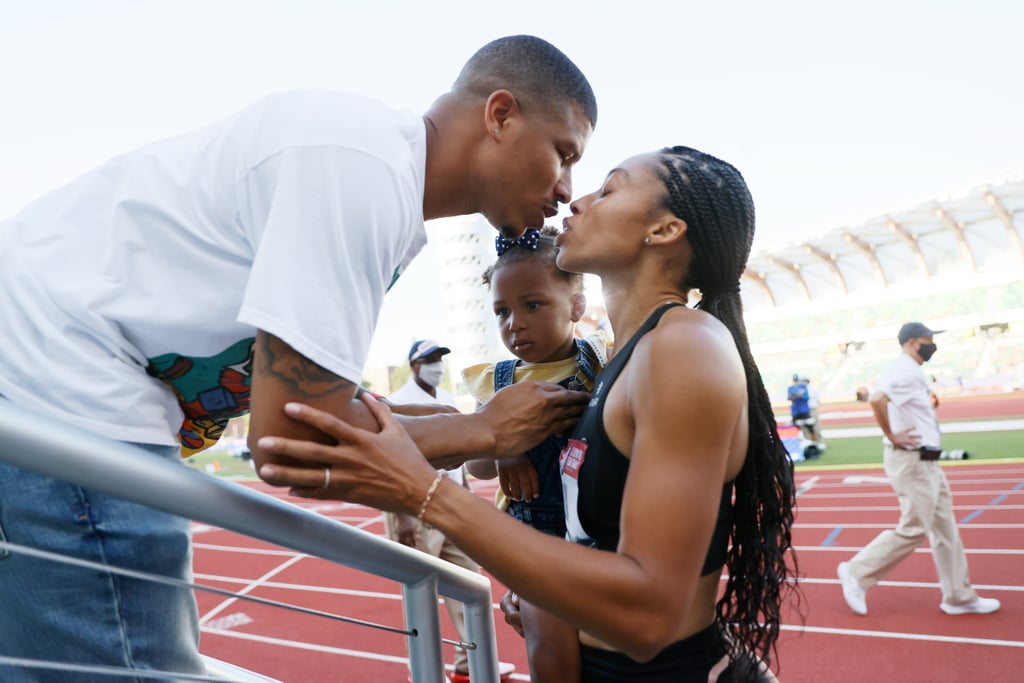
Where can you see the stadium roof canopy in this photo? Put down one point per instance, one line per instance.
(976, 229)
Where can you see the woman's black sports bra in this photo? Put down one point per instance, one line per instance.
(594, 471)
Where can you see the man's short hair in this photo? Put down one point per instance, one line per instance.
(532, 69)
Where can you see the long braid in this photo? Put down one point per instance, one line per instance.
(713, 199)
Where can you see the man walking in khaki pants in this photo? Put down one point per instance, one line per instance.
(904, 407)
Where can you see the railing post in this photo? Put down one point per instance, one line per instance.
(483, 659)
(426, 661)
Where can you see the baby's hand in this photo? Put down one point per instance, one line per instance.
(510, 608)
(518, 478)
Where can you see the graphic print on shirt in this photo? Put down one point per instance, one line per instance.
(210, 391)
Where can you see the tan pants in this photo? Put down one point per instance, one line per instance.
(926, 510)
(434, 543)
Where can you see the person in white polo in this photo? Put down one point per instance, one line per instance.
(904, 407)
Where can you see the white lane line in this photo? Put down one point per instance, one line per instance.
(895, 508)
(924, 550)
(865, 479)
(807, 486)
(930, 637)
(300, 645)
(304, 587)
(312, 647)
(889, 525)
(251, 586)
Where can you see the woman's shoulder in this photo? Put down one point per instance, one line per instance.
(694, 337)
(690, 361)
(692, 326)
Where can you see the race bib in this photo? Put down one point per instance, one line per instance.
(571, 458)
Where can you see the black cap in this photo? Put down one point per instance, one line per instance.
(913, 331)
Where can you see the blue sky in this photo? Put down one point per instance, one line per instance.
(833, 111)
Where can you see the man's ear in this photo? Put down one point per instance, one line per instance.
(500, 107)
(579, 306)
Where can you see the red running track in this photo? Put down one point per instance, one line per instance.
(904, 635)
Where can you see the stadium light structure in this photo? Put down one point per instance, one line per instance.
(976, 229)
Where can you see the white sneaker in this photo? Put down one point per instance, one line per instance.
(853, 592)
(505, 669)
(976, 606)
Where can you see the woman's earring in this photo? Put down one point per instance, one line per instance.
(497, 131)
(647, 240)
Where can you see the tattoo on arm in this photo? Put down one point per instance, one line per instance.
(300, 375)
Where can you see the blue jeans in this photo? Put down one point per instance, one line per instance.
(55, 611)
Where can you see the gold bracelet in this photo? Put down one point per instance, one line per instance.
(441, 474)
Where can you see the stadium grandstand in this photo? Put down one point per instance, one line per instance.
(829, 307)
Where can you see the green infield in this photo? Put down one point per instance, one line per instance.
(864, 450)
(867, 450)
(221, 463)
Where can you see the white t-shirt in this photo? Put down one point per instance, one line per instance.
(910, 401)
(411, 392)
(155, 270)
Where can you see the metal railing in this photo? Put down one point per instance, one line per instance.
(35, 442)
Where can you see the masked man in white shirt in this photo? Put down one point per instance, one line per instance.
(904, 407)
(427, 365)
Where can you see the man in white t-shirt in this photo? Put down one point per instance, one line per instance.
(904, 407)
(424, 388)
(187, 282)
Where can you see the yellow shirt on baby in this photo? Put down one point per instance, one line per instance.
(479, 379)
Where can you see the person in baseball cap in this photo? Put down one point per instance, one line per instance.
(427, 372)
(916, 340)
(904, 407)
(915, 331)
(426, 347)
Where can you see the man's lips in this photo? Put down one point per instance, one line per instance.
(550, 211)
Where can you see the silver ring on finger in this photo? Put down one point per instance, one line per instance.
(327, 477)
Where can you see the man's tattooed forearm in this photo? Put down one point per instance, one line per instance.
(300, 375)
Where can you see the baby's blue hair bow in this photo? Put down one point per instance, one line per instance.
(529, 240)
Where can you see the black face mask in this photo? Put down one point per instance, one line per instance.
(926, 351)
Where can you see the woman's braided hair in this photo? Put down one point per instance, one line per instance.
(712, 198)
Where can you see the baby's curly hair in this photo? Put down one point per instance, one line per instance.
(546, 251)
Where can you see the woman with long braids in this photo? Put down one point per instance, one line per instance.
(674, 472)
